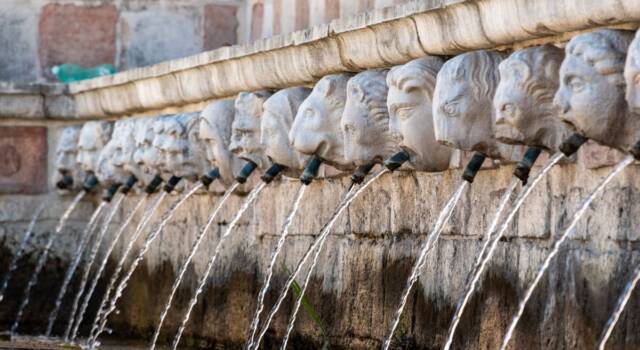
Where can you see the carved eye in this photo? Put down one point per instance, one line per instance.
(348, 128)
(404, 113)
(450, 109)
(509, 109)
(309, 113)
(575, 84)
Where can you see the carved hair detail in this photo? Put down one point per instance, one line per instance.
(605, 50)
(372, 89)
(330, 84)
(220, 120)
(284, 104)
(420, 73)
(482, 74)
(248, 101)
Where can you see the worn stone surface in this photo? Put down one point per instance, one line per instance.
(220, 26)
(18, 28)
(76, 34)
(23, 159)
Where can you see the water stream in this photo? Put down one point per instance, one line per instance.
(123, 258)
(352, 193)
(141, 253)
(203, 280)
(86, 269)
(76, 320)
(43, 259)
(13, 265)
(185, 265)
(432, 238)
(558, 244)
(269, 274)
(620, 305)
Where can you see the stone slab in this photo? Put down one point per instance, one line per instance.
(23, 160)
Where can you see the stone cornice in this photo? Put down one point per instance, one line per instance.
(374, 39)
(36, 101)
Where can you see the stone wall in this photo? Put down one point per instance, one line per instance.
(38, 34)
(366, 261)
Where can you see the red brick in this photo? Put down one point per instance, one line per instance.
(277, 17)
(302, 14)
(23, 159)
(220, 26)
(595, 156)
(331, 10)
(366, 5)
(257, 14)
(84, 35)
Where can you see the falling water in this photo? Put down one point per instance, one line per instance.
(622, 302)
(85, 302)
(317, 245)
(43, 259)
(556, 246)
(147, 243)
(87, 266)
(84, 239)
(267, 280)
(185, 265)
(116, 274)
(23, 243)
(194, 299)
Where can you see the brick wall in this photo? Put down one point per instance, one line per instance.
(38, 34)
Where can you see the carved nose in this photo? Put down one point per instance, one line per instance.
(560, 101)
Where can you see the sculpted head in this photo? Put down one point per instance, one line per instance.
(117, 155)
(179, 146)
(632, 75)
(525, 112)
(245, 130)
(410, 103)
(463, 102)
(146, 157)
(279, 113)
(316, 128)
(215, 132)
(66, 155)
(365, 120)
(93, 137)
(592, 86)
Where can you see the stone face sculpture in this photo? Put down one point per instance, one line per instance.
(215, 131)
(632, 75)
(525, 112)
(116, 153)
(245, 130)
(66, 154)
(92, 139)
(592, 89)
(316, 128)
(365, 120)
(146, 158)
(179, 145)
(410, 106)
(463, 104)
(279, 113)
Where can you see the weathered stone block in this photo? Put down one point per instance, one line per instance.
(18, 60)
(220, 26)
(23, 159)
(257, 17)
(595, 156)
(84, 35)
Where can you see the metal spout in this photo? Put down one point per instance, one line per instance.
(129, 184)
(311, 170)
(65, 183)
(473, 167)
(572, 144)
(361, 172)
(246, 171)
(210, 177)
(171, 184)
(110, 192)
(90, 182)
(272, 172)
(154, 184)
(396, 160)
(524, 166)
(635, 150)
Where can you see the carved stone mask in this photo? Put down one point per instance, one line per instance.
(365, 120)
(279, 113)
(410, 106)
(67, 150)
(525, 112)
(117, 154)
(591, 93)
(632, 75)
(179, 147)
(93, 137)
(145, 156)
(463, 102)
(245, 134)
(215, 131)
(316, 128)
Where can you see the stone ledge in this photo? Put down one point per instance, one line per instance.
(36, 101)
(379, 38)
